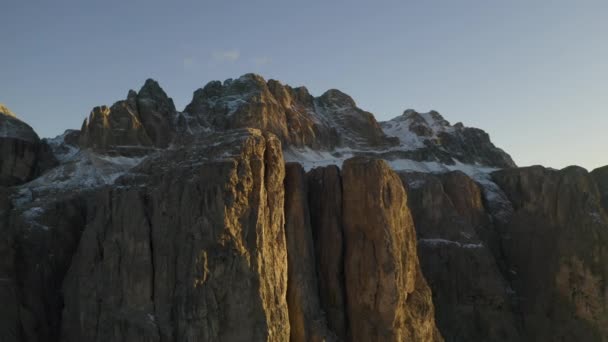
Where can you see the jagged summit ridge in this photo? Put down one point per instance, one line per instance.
(432, 133)
(145, 119)
(331, 126)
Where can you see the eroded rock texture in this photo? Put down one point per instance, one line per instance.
(211, 237)
(294, 115)
(144, 120)
(23, 155)
(387, 296)
(556, 251)
(472, 299)
(194, 251)
(325, 199)
(306, 318)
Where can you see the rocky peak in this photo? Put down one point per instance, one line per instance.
(433, 138)
(157, 112)
(12, 127)
(24, 156)
(5, 111)
(424, 124)
(143, 119)
(152, 93)
(336, 98)
(108, 130)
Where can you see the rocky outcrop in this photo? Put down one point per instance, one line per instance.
(430, 137)
(118, 125)
(472, 299)
(387, 296)
(555, 252)
(157, 113)
(190, 249)
(331, 125)
(356, 127)
(23, 155)
(132, 126)
(292, 114)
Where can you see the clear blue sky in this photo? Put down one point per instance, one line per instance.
(533, 74)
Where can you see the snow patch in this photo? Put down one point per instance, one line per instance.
(31, 215)
(62, 151)
(400, 127)
(443, 242)
(309, 158)
(79, 170)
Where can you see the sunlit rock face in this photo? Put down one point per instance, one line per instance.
(146, 119)
(193, 250)
(387, 297)
(296, 117)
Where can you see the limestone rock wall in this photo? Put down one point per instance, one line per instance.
(196, 253)
(555, 250)
(388, 298)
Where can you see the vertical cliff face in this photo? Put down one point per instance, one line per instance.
(472, 299)
(195, 252)
(555, 252)
(215, 241)
(531, 269)
(9, 312)
(306, 318)
(387, 296)
(325, 199)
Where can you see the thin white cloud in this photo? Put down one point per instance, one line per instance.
(226, 55)
(189, 62)
(263, 60)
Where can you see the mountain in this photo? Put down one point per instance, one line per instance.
(263, 213)
(24, 156)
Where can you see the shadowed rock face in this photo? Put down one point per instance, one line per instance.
(535, 272)
(325, 201)
(306, 318)
(555, 252)
(472, 299)
(23, 156)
